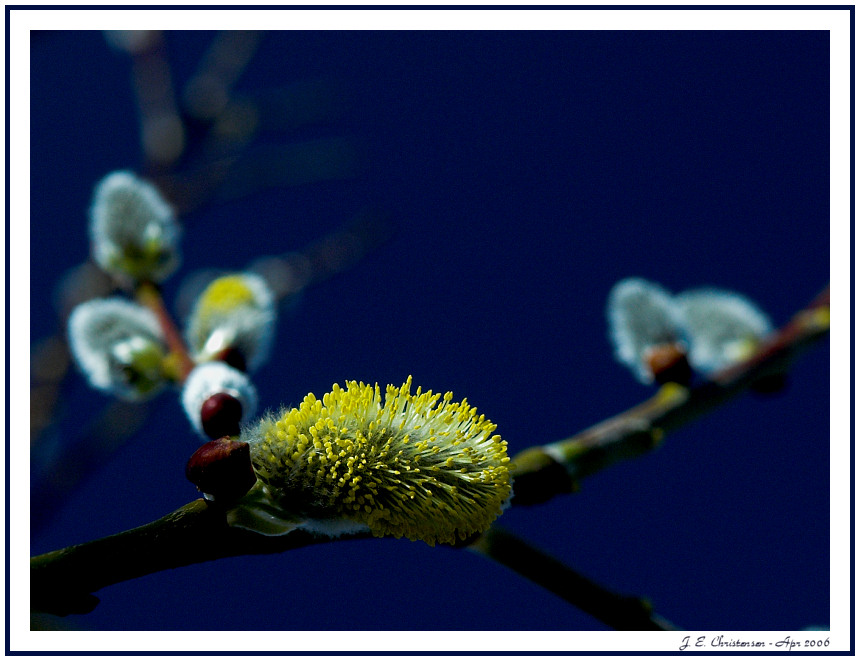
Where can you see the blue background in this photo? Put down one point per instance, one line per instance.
(526, 173)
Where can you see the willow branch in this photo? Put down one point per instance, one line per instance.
(546, 471)
(63, 581)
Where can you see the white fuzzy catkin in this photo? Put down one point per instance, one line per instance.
(133, 231)
(723, 327)
(215, 377)
(113, 340)
(641, 315)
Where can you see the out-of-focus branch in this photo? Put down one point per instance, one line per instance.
(210, 141)
(288, 275)
(50, 359)
(209, 91)
(148, 295)
(73, 462)
(162, 131)
(63, 581)
(546, 471)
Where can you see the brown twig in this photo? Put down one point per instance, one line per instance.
(619, 612)
(148, 295)
(543, 472)
(62, 582)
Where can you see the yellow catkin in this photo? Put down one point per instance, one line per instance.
(406, 465)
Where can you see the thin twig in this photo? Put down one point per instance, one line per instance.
(147, 294)
(619, 612)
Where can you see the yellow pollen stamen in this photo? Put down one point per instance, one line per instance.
(339, 457)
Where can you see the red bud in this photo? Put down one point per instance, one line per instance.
(221, 415)
(234, 358)
(222, 469)
(668, 363)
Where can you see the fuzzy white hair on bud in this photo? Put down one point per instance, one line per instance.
(642, 315)
(215, 378)
(723, 326)
(133, 230)
(119, 347)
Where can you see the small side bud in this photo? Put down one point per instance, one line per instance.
(668, 363)
(233, 320)
(133, 231)
(119, 346)
(642, 315)
(234, 358)
(213, 395)
(222, 470)
(221, 415)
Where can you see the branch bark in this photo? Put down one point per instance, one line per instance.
(543, 472)
(62, 581)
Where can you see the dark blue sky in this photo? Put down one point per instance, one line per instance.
(526, 173)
